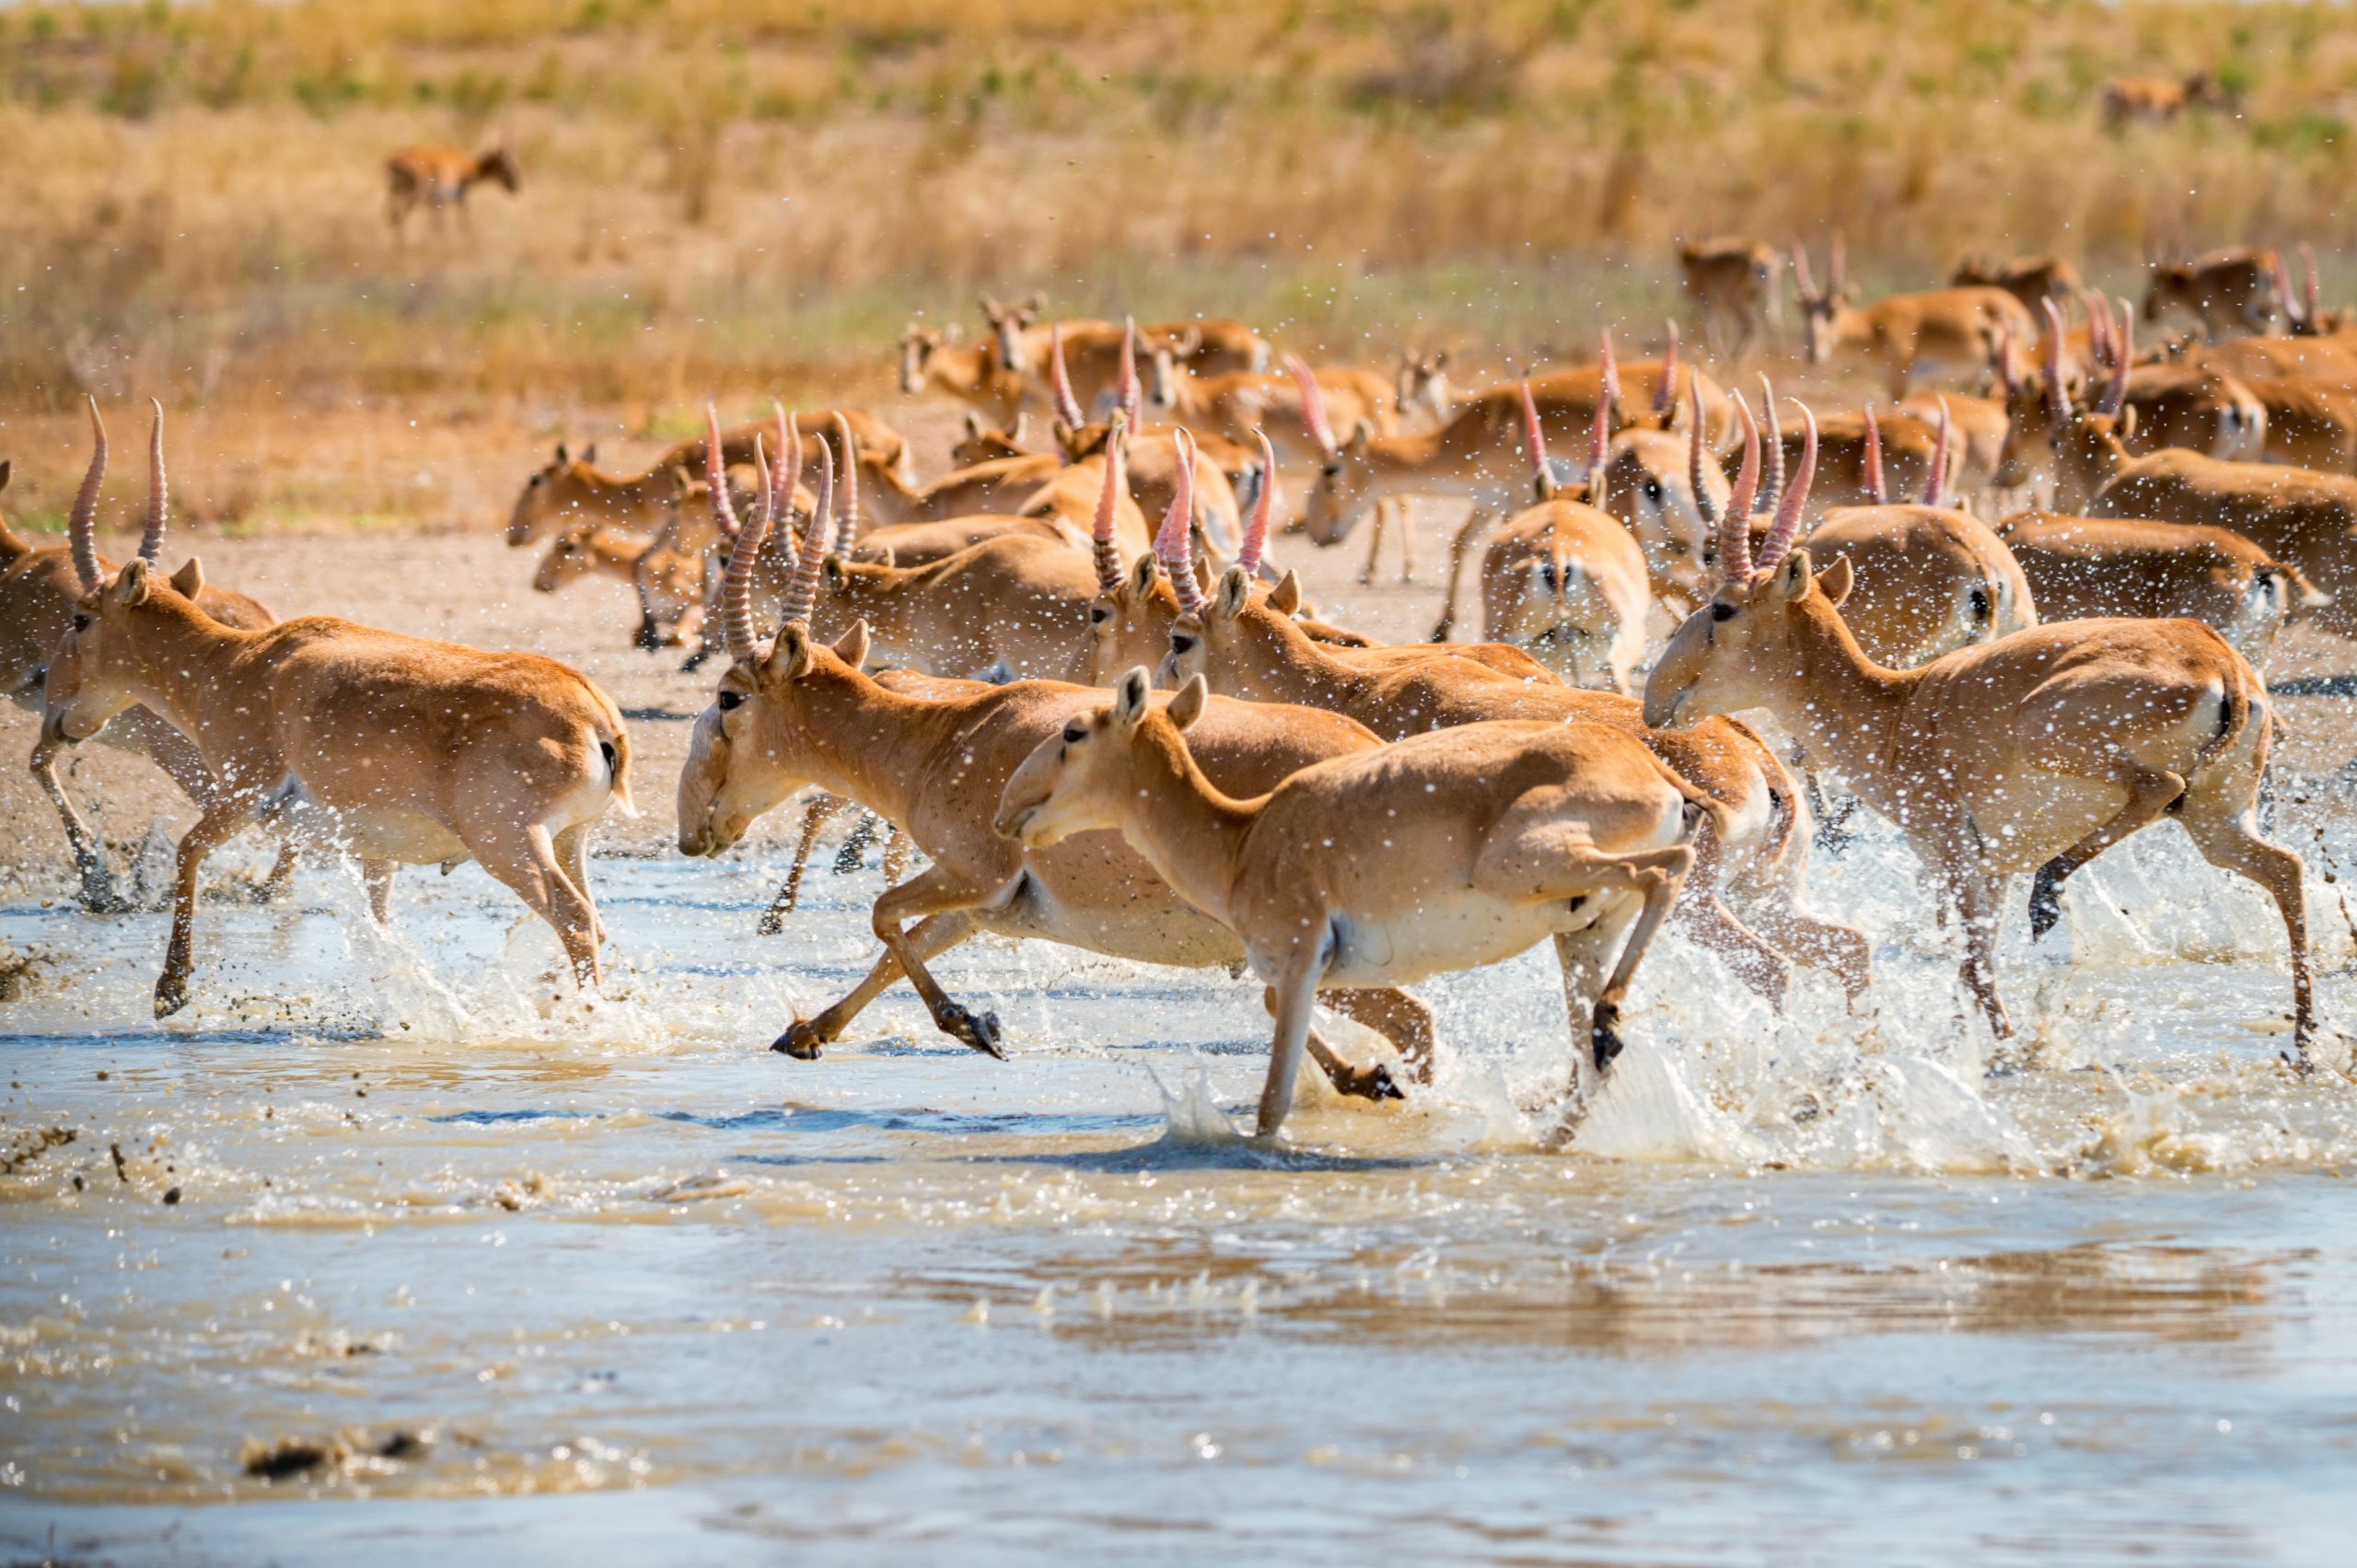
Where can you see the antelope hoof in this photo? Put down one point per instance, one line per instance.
(1376, 1084)
(772, 921)
(1604, 1036)
(801, 1040)
(979, 1032)
(2045, 900)
(171, 994)
(648, 637)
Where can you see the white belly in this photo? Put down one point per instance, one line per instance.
(375, 833)
(1461, 930)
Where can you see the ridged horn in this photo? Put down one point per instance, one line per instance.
(1126, 391)
(736, 587)
(1936, 485)
(715, 475)
(2115, 389)
(847, 520)
(1666, 395)
(1313, 404)
(1772, 442)
(1102, 541)
(1877, 490)
(1695, 471)
(2058, 395)
(1174, 544)
(803, 590)
(1735, 526)
(1787, 526)
(85, 507)
(151, 530)
(1264, 508)
(1060, 379)
(1534, 442)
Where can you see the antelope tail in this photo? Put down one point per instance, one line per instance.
(613, 743)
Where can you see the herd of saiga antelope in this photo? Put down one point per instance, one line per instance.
(1345, 818)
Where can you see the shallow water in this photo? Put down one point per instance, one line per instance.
(389, 1220)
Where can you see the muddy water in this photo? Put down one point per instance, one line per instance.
(390, 1222)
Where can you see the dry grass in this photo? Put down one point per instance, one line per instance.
(741, 196)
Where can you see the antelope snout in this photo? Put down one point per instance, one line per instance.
(1012, 821)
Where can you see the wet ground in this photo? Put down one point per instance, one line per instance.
(379, 1218)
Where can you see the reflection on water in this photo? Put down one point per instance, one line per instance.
(383, 1218)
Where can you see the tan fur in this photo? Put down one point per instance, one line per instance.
(2027, 278)
(1733, 284)
(2157, 100)
(2307, 521)
(1906, 339)
(2231, 293)
(437, 176)
(1928, 580)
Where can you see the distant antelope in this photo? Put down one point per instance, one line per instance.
(393, 749)
(1733, 284)
(800, 712)
(1909, 338)
(2158, 99)
(934, 359)
(2035, 753)
(2027, 278)
(1216, 347)
(2231, 293)
(2308, 318)
(1244, 404)
(437, 176)
(39, 589)
(1422, 390)
(2088, 568)
(1446, 851)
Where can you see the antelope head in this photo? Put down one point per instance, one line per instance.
(753, 747)
(1077, 780)
(552, 496)
(1130, 621)
(98, 669)
(1821, 308)
(1423, 383)
(572, 555)
(1735, 650)
(1007, 322)
(1345, 479)
(2090, 444)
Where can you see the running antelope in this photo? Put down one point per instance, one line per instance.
(1245, 404)
(2090, 568)
(38, 591)
(2308, 318)
(1206, 348)
(2027, 278)
(1733, 284)
(435, 178)
(934, 360)
(2305, 520)
(799, 713)
(1562, 578)
(393, 748)
(1908, 338)
(1442, 853)
(2034, 752)
(2231, 293)
(2158, 99)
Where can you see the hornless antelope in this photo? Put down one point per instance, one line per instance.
(1909, 338)
(397, 750)
(1204, 347)
(2029, 279)
(440, 177)
(587, 549)
(983, 442)
(1240, 406)
(1422, 390)
(801, 712)
(2034, 752)
(2302, 519)
(1733, 283)
(1446, 851)
(2231, 293)
(38, 590)
(934, 360)
(2158, 99)
(1562, 579)
(2090, 568)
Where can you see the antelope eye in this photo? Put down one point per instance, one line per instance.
(1098, 615)
(730, 700)
(81, 623)
(1074, 733)
(1182, 645)
(1653, 490)
(1330, 471)
(535, 480)
(1723, 612)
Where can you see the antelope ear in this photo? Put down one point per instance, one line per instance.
(190, 579)
(5, 465)
(1142, 574)
(589, 453)
(2128, 422)
(1234, 589)
(953, 334)
(1129, 697)
(1792, 577)
(830, 571)
(974, 425)
(130, 584)
(851, 646)
(1835, 581)
(562, 457)
(1285, 597)
(1187, 706)
(1360, 434)
(1015, 432)
(789, 657)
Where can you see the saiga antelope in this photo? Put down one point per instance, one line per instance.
(39, 589)
(1734, 285)
(437, 176)
(2158, 99)
(2029, 279)
(801, 712)
(1442, 853)
(2035, 753)
(396, 750)
(1909, 338)
(2231, 293)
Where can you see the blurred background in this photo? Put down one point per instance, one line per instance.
(756, 196)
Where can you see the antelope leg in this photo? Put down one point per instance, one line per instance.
(98, 895)
(220, 820)
(931, 938)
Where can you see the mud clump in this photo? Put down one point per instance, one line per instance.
(18, 974)
(343, 1453)
(29, 1146)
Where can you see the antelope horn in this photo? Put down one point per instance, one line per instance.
(1666, 395)
(803, 591)
(1801, 278)
(847, 523)
(1773, 490)
(86, 506)
(1060, 379)
(1174, 546)
(1735, 526)
(1264, 508)
(736, 587)
(1534, 439)
(1694, 469)
(2009, 375)
(1935, 487)
(1876, 487)
(715, 473)
(1313, 404)
(1107, 553)
(2308, 283)
(1834, 264)
(2115, 391)
(2099, 345)
(151, 534)
(2058, 396)
(1599, 440)
(1128, 388)
(1781, 533)
(2280, 276)
(785, 472)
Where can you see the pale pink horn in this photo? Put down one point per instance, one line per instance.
(1174, 544)
(1936, 485)
(786, 469)
(1599, 438)
(1666, 395)
(1771, 488)
(1313, 404)
(1060, 379)
(1877, 490)
(2058, 393)
(1128, 396)
(1695, 471)
(1534, 441)
(1103, 543)
(736, 587)
(2115, 388)
(1264, 509)
(803, 590)
(151, 533)
(715, 472)
(1735, 526)
(847, 524)
(1787, 526)
(82, 529)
